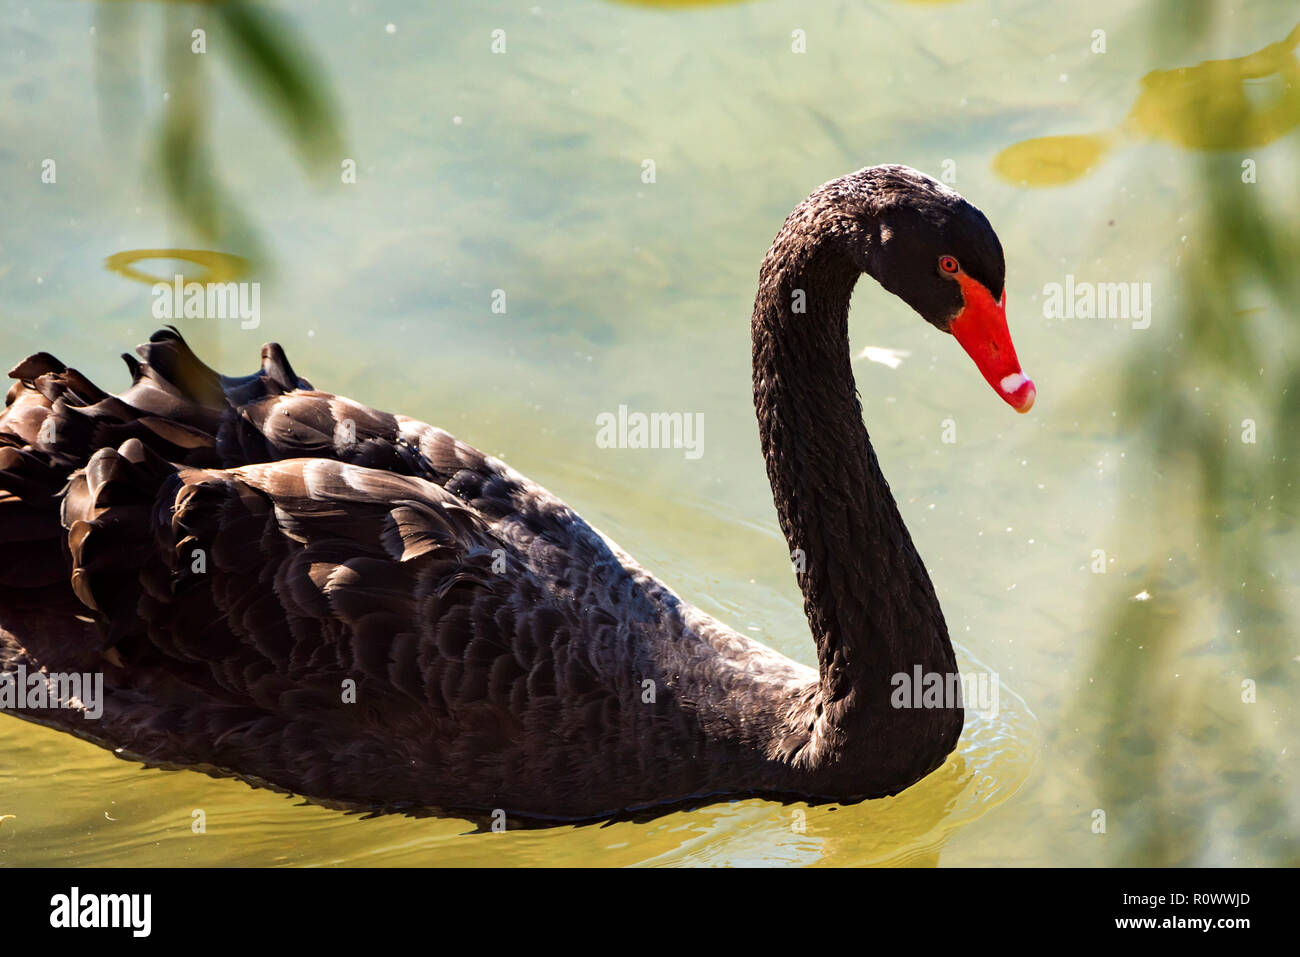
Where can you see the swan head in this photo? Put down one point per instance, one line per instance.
(937, 252)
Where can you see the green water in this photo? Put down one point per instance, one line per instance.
(523, 172)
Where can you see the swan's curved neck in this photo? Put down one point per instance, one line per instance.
(867, 595)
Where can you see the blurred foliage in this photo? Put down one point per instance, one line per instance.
(1219, 516)
(265, 53)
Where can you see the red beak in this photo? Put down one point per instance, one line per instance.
(981, 328)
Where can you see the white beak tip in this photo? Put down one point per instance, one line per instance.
(1011, 383)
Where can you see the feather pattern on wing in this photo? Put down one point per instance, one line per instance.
(290, 586)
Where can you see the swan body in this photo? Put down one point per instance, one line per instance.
(287, 586)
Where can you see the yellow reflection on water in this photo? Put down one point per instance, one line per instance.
(678, 3)
(1244, 102)
(1052, 160)
(715, 3)
(217, 266)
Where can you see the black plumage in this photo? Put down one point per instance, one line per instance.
(287, 586)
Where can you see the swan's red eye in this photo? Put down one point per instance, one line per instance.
(948, 264)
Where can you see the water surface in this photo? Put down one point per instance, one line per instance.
(523, 172)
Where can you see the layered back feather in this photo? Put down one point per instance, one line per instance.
(288, 586)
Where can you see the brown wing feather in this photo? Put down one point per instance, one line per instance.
(235, 553)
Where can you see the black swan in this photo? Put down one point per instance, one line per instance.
(285, 586)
